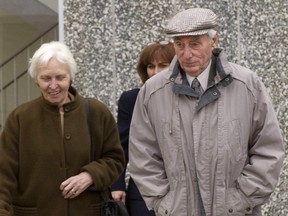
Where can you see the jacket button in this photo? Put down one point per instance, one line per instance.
(248, 209)
(230, 210)
(215, 93)
(166, 212)
(67, 136)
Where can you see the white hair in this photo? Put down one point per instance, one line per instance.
(46, 52)
(211, 33)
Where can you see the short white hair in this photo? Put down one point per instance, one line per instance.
(46, 52)
(211, 33)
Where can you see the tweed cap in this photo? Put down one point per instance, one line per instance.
(194, 21)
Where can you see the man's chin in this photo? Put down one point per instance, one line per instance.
(192, 71)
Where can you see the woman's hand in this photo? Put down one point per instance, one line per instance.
(119, 196)
(75, 185)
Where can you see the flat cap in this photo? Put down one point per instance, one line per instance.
(194, 21)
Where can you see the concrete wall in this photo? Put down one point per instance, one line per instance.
(106, 37)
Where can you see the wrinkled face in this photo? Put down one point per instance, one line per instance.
(194, 52)
(54, 81)
(155, 67)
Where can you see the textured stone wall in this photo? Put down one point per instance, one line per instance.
(106, 37)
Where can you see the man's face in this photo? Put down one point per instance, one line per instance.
(194, 52)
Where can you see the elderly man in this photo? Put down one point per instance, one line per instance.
(204, 139)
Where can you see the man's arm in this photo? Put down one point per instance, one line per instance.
(266, 151)
(145, 160)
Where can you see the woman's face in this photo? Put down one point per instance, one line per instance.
(54, 80)
(156, 66)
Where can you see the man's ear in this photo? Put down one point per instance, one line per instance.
(214, 40)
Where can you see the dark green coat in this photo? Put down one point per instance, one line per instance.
(35, 158)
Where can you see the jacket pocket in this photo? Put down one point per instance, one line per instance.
(236, 203)
(94, 210)
(163, 205)
(25, 211)
(172, 153)
(235, 140)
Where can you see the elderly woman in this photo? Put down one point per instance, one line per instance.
(45, 148)
(153, 59)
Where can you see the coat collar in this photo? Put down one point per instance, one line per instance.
(220, 74)
(66, 107)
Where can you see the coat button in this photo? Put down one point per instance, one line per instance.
(67, 136)
(215, 93)
(230, 210)
(166, 212)
(248, 209)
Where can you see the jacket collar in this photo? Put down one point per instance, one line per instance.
(220, 74)
(66, 107)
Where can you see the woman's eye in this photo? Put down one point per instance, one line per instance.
(163, 65)
(46, 79)
(150, 66)
(60, 78)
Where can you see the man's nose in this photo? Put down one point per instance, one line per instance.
(187, 52)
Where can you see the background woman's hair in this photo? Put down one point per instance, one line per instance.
(158, 51)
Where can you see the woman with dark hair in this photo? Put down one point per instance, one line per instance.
(153, 59)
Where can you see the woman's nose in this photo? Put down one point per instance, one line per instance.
(157, 70)
(53, 84)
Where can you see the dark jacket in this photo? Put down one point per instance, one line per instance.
(125, 110)
(134, 201)
(36, 158)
